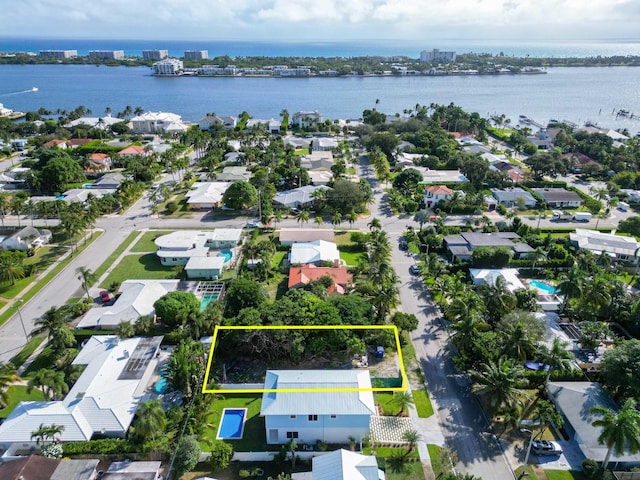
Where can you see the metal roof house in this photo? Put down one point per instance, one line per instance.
(103, 400)
(346, 465)
(330, 414)
(315, 252)
(460, 247)
(624, 249)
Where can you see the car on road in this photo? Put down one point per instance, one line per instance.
(253, 224)
(546, 447)
(403, 245)
(105, 296)
(414, 269)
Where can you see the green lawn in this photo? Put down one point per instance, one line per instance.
(26, 351)
(410, 471)
(145, 266)
(113, 257)
(253, 438)
(564, 475)
(278, 259)
(145, 243)
(46, 359)
(19, 394)
(386, 403)
(350, 258)
(439, 459)
(422, 403)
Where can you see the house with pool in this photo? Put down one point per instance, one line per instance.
(317, 405)
(183, 246)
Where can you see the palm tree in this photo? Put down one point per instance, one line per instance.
(556, 357)
(546, 415)
(467, 329)
(570, 285)
(538, 254)
(50, 382)
(519, 345)
(5, 203)
(11, 269)
(497, 298)
(86, 277)
(125, 330)
(302, 217)
(319, 221)
(620, 430)
(500, 383)
(412, 437)
(336, 219)
(375, 224)
(151, 419)
(7, 377)
(402, 400)
(351, 217)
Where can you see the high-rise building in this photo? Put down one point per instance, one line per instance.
(59, 54)
(435, 55)
(107, 54)
(168, 67)
(196, 54)
(155, 54)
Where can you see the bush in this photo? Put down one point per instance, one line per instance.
(171, 207)
(221, 454)
(187, 455)
(105, 446)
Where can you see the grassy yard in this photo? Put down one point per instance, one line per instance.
(19, 394)
(145, 266)
(253, 438)
(406, 471)
(118, 251)
(26, 351)
(439, 459)
(350, 258)
(46, 359)
(385, 401)
(564, 475)
(422, 403)
(43, 259)
(145, 243)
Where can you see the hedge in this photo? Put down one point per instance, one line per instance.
(105, 446)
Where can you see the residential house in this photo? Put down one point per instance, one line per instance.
(297, 143)
(25, 239)
(317, 160)
(510, 197)
(103, 400)
(57, 143)
(345, 465)
(289, 236)
(405, 160)
(301, 276)
(316, 252)
(559, 197)
(298, 197)
(460, 247)
(234, 174)
(541, 139)
(102, 123)
(310, 416)
(577, 161)
(441, 176)
(324, 144)
(434, 194)
(154, 122)
(109, 181)
(306, 119)
(623, 249)
(98, 163)
(176, 248)
(274, 126)
(128, 470)
(132, 151)
(209, 268)
(82, 194)
(574, 401)
(225, 238)
(135, 300)
(206, 195)
(37, 467)
(489, 276)
(78, 142)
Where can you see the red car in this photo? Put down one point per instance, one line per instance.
(105, 296)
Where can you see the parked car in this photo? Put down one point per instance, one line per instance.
(253, 224)
(105, 296)
(414, 269)
(546, 447)
(403, 245)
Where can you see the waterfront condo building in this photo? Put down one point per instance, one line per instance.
(155, 54)
(107, 54)
(168, 67)
(59, 54)
(196, 54)
(435, 55)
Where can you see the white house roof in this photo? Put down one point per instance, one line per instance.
(491, 275)
(226, 235)
(346, 465)
(96, 122)
(599, 242)
(312, 252)
(136, 300)
(298, 196)
(103, 399)
(205, 263)
(82, 194)
(318, 403)
(441, 176)
(512, 195)
(157, 116)
(207, 192)
(183, 239)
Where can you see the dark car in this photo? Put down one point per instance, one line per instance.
(546, 447)
(105, 296)
(403, 244)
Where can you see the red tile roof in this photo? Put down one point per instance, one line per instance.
(300, 276)
(99, 157)
(132, 150)
(439, 190)
(54, 143)
(76, 142)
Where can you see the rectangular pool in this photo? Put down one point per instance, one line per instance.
(232, 424)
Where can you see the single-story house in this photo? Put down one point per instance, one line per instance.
(298, 143)
(404, 159)
(234, 174)
(460, 247)
(37, 467)
(109, 180)
(434, 194)
(559, 197)
(136, 300)
(206, 195)
(345, 465)
(623, 249)
(103, 123)
(301, 276)
(176, 248)
(205, 267)
(509, 197)
(441, 176)
(574, 401)
(579, 160)
(490, 276)
(315, 252)
(56, 143)
(82, 194)
(128, 470)
(324, 143)
(298, 197)
(26, 238)
(320, 177)
(317, 161)
(289, 236)
(225, 238)
(311, 416)
(102, 402)
(74, 143)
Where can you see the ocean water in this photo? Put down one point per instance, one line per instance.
(574, 94)
(550, 48)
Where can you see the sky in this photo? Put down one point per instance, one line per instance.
(328, 20)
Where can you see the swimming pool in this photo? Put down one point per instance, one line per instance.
(161, 385)
(232, 424)
(227, 255)
(542, 286)
(206, 299)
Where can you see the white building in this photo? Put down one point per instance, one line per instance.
(316, 252)
(345, 465)
(168, 67)
(107, 54)
(437, 56)
(59, 54)
(154, 122)
(206, 195)
(624, 249)
(155, 54)
(196, 54)
(306, 119)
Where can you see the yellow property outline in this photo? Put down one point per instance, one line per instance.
(393, 328)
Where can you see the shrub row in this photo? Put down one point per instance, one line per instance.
(104, 446)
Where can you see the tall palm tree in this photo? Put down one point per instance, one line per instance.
(497, 298)
(86, 277)
(151, 419)
(538, 254)
(500, 383)
(375, 224)
(302, 217)
(467, 329)
(7, 377)
(556, 357)
(351, 217)
(50, 382)
(412, 437)
(570, 285)
(620, 430)
(336, 219)
(319, 221)
(519, 345)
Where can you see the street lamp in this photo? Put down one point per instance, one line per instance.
(526, 458)
(26, 337)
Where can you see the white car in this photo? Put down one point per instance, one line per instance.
(253, 224)
(546, 447)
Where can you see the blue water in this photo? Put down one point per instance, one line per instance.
(161, 385)
(542, 286)
(227, 255)
(232, 423)
(206, 299)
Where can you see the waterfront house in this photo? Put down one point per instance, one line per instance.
(101, 123)
(316, 252)
(434, 194)
(77, 142)
(460, 247)
(156, 122)
(623, 249)
(302, 276)
(25, 239)
(310, 416)
(509, 197)
(101, 403)
(206, 195)
(306, 119)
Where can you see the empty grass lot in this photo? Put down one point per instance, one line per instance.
(144, 267)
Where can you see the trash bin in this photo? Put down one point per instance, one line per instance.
(379, 352)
